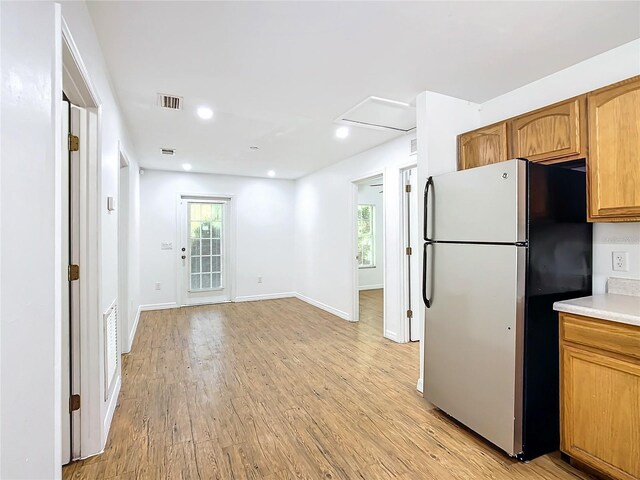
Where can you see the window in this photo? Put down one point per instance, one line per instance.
(205, 241)
(366, 244)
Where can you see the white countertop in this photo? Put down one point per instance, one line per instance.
(608, 306)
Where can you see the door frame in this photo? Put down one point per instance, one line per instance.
(231, 280)
(124, 314)
(85, 349)
(416, 303)
(355, 307)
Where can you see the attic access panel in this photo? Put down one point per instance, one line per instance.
(381, 114)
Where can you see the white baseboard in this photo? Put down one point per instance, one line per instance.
(419, 386)
(371, 287)
(132, 333)
(324, 306)
(157, 306)
(267, 296)
(393, 336)
(111, 408)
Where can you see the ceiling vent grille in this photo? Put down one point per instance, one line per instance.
(170, 101)
(168, 151)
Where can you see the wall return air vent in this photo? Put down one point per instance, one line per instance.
(170, 102)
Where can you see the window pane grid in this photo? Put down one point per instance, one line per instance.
(366, 228)
(206, 245)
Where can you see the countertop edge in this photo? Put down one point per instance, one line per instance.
(616, 317)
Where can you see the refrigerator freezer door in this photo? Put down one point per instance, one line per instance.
(484, 204)
(473, 338)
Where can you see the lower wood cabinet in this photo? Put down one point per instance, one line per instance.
(600, 394)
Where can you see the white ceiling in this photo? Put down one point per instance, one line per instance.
(277, 74)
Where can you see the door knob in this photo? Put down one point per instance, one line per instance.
(184, 249)
(184, 257)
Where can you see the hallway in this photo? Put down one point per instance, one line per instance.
(280, 389)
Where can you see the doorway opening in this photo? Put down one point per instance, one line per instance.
(205, 261)
(124, 312)
(370, 247)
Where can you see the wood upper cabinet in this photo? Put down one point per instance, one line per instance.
(614, 152)
(600, 394)
(556, 133)
(483, 146)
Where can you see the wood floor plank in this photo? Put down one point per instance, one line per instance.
(282, 390)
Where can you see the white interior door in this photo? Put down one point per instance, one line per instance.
(204, 255)
(66, 307)
(412, 268)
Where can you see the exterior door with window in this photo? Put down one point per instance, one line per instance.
(204, 254)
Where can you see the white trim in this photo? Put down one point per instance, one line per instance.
(132, 334)
(371, 287)
(419, 386)
(266, 296)
(111, 408)
(157, 306)
(324, 306)
(388, 334)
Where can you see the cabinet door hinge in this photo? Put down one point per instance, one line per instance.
(74, 143)
(407, 188)
(409, 250)
(74, 272)
(74, 403)
(409, 313)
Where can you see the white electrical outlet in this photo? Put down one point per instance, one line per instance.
(620, 261)
(158, 285)
(260, 279)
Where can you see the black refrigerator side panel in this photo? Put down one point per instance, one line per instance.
(558, 268)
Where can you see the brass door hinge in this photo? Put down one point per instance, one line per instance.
(74, 143)
(409, 251)
(407, 188)
(74, 403)
(409, 313)
(74, 272)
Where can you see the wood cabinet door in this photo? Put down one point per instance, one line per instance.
(614, 152)
(483, 146)
(551, 134)
(600, 411)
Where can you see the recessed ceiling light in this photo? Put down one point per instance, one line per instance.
(271, 173)
(253, 147)
(205, 113)
(342, 132)
(186, 166)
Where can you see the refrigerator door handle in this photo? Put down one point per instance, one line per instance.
(426, 209)
(427, 300)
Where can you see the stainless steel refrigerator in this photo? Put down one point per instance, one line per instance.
(502, 243)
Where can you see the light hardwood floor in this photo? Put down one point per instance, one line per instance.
(279, 390)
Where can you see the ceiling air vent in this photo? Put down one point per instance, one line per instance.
(168, 151)
(169, 101)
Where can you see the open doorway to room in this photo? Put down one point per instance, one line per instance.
(370, 252)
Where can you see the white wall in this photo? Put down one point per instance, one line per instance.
(264, 232)
(30, 315)
(324, 232)
(441, 119)
(370, 278)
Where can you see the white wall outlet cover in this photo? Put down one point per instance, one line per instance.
(158, 285)
(620, 261)
(166, 246)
